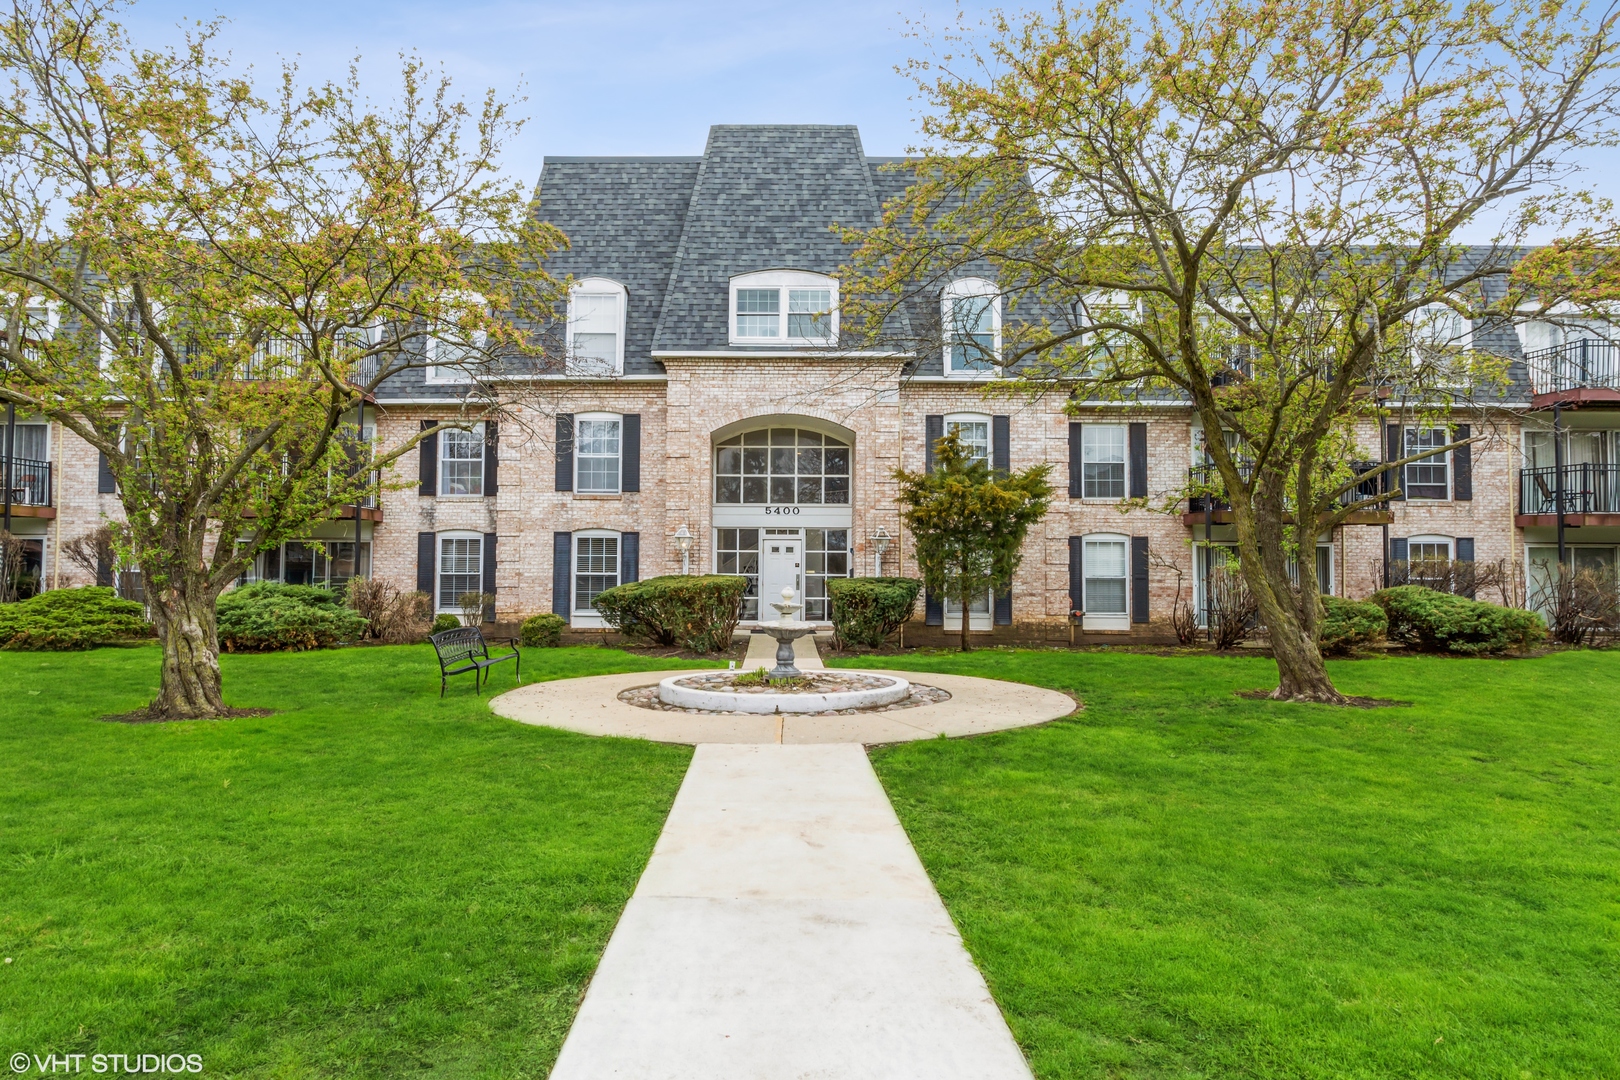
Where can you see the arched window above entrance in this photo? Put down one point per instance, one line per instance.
(782, 466)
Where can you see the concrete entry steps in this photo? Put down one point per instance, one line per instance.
(785, 928)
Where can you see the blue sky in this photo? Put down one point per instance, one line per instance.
(604, 76)
(626, 77)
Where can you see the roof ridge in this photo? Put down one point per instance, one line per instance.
(680, 246)
(580, 159)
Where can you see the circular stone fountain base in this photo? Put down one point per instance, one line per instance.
(814, 692)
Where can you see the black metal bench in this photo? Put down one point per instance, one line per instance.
(464, 649)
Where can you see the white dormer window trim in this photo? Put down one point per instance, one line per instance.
(41, 318)
(963, 314)
(110, 306)
(596, 310)
(775, 307)
(446, 359)
(1442, 326)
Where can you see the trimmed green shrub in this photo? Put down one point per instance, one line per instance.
(866, 610)
(542, 631)
(444, 621)
(71, 619)
(696, 612)
(1348, 623)
(267, 617)
(1434, 621)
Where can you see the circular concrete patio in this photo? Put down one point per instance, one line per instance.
(591, 706)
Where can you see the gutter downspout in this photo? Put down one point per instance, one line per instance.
(11, 439)
(56, 525)
(1558, 477)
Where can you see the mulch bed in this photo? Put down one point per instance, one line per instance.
(145, 716)
(1354, 702)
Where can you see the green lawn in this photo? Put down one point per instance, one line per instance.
(1181, 883)
(369, 883)
(1175, 883)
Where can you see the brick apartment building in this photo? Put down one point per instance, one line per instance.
(700, 402)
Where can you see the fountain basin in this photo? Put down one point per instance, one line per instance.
(712, 691)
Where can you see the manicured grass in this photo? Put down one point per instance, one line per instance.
(371, 882)
(1181, 883)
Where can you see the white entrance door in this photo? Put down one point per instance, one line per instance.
(779, 567)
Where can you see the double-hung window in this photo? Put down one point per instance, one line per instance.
(461, 461)
(759, 313)
(1431, 477)
(809, 313)
(596, 568)
(597, 443)
(971, 315)
(973, 430)
(596, 317)
(1106, 588)
(461, 568)
(1102, 466)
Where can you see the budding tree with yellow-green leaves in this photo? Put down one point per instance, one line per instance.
(205, 283)
(1256, 207)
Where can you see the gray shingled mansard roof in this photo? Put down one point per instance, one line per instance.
(675, 230)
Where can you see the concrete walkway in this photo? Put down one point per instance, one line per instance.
(785, 929)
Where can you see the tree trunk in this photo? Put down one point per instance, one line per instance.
(1301, 674)
(190, 686)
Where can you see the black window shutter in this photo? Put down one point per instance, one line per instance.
(428, 468)
(565, 457)
(106, 483)
(1139, 579)
(1077, 599)
(489, 576)
(1001, 446)
(1003, 613)
(104, 574)
(562, 573)
(492, 461)
(629, 557)
(424, 566)
(1395, 440)
(933, 611)
(1397, 550)
(1138, 455)
(1076, 445)
(630, 454)
(1462, 467)
(933, 431)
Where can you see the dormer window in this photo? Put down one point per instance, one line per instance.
(784, 307)
(971, 315)
(455, 353)
(596, 312)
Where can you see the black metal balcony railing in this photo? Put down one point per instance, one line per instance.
(1205, 476)
(30, 482)
(1574, 365)
(1586, 489)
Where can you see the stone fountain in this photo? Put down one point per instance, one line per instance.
(786, 630)
(829, 691)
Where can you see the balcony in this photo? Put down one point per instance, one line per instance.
(31, 488)
(1587, 494)
(1585, 372)
(1214, 508)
